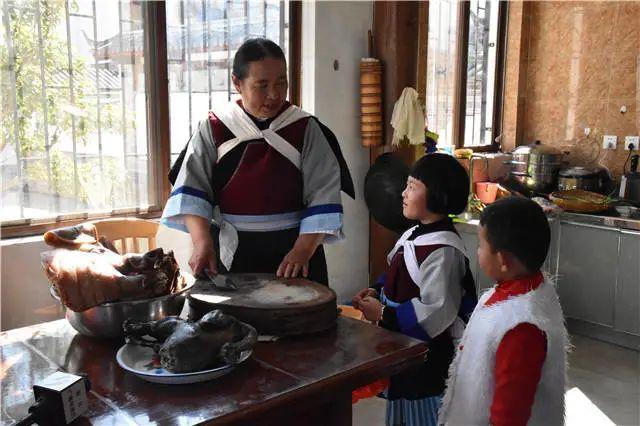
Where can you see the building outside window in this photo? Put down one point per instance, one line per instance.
(76, 141)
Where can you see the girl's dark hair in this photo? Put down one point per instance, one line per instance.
(519, 226)
(446, 180)
(254, 49)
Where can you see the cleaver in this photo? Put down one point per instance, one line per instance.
(221, 281)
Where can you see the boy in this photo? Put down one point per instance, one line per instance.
(510, 365)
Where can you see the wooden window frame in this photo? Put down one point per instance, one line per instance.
(158, 136)
(295, 52)
(460, 89)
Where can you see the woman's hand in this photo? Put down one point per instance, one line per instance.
(371, 309)
(361, 295)
(297, 260)
(203, 257)
(204, 254)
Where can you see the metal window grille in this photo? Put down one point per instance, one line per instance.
(57, 167)
(202, 38)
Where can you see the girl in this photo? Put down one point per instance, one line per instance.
(428, 290)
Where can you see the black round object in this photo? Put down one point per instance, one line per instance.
(383, 186)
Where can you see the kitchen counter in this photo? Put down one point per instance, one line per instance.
(307, 380)
(631, 224)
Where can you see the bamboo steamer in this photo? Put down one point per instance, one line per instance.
(371, 124)
(277, 307)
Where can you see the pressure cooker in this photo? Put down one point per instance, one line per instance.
(589, 179)
(536, 166)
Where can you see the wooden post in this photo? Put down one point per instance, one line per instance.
(395, 26)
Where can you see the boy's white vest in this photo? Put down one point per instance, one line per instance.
(470, 387)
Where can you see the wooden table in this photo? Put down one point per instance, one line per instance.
(307, 380)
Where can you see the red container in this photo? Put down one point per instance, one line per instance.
(486, 191)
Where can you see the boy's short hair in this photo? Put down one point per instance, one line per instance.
(446, 180)
(519, 226)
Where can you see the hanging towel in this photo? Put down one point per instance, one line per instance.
(408, 118)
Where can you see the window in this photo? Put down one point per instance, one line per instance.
(73, 112)
(202, 38)
(441, 64)
(464, 71)
(84, 125)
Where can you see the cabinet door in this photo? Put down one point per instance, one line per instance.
(587, 272)
(627, 312)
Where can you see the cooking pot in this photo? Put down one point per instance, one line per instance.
(588, 179)
(536, 166)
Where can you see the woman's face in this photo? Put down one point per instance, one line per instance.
(414, 199)
(264, 89)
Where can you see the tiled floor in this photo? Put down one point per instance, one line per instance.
(603, 388)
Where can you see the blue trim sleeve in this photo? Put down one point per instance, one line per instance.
(327, 223)
(322, 209)
(191, 191)
(379, 284)
(408, 322)
(183, 203)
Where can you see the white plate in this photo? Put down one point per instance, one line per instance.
(139, 360)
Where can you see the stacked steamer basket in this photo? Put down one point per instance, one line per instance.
(371, 99)
(275, 307)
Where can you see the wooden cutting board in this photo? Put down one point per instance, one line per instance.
(273, 306)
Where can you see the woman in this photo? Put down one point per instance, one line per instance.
(267, 174)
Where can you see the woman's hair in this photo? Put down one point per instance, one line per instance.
(519, 226)
(254, 49)
(446, 180)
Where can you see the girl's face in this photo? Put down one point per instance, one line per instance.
(264, 89)
(414, 199)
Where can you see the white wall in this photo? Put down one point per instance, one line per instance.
(333, 30)
(337, 30)
(24, 295)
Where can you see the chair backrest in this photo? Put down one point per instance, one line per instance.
(129, 235)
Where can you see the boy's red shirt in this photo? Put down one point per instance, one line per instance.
(519, 360)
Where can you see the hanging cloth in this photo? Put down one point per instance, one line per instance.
(407, 119)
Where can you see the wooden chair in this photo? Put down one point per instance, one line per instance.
(129, 235)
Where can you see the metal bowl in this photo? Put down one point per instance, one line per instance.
(105, 321)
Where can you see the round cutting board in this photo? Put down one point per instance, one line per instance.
(273, 306)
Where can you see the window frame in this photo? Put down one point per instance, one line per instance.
(157, 113)
(460, 88)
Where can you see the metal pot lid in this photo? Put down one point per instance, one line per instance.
(537, 148)
(580, 172)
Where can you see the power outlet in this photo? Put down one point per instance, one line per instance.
(630, 141)
(609, 141)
